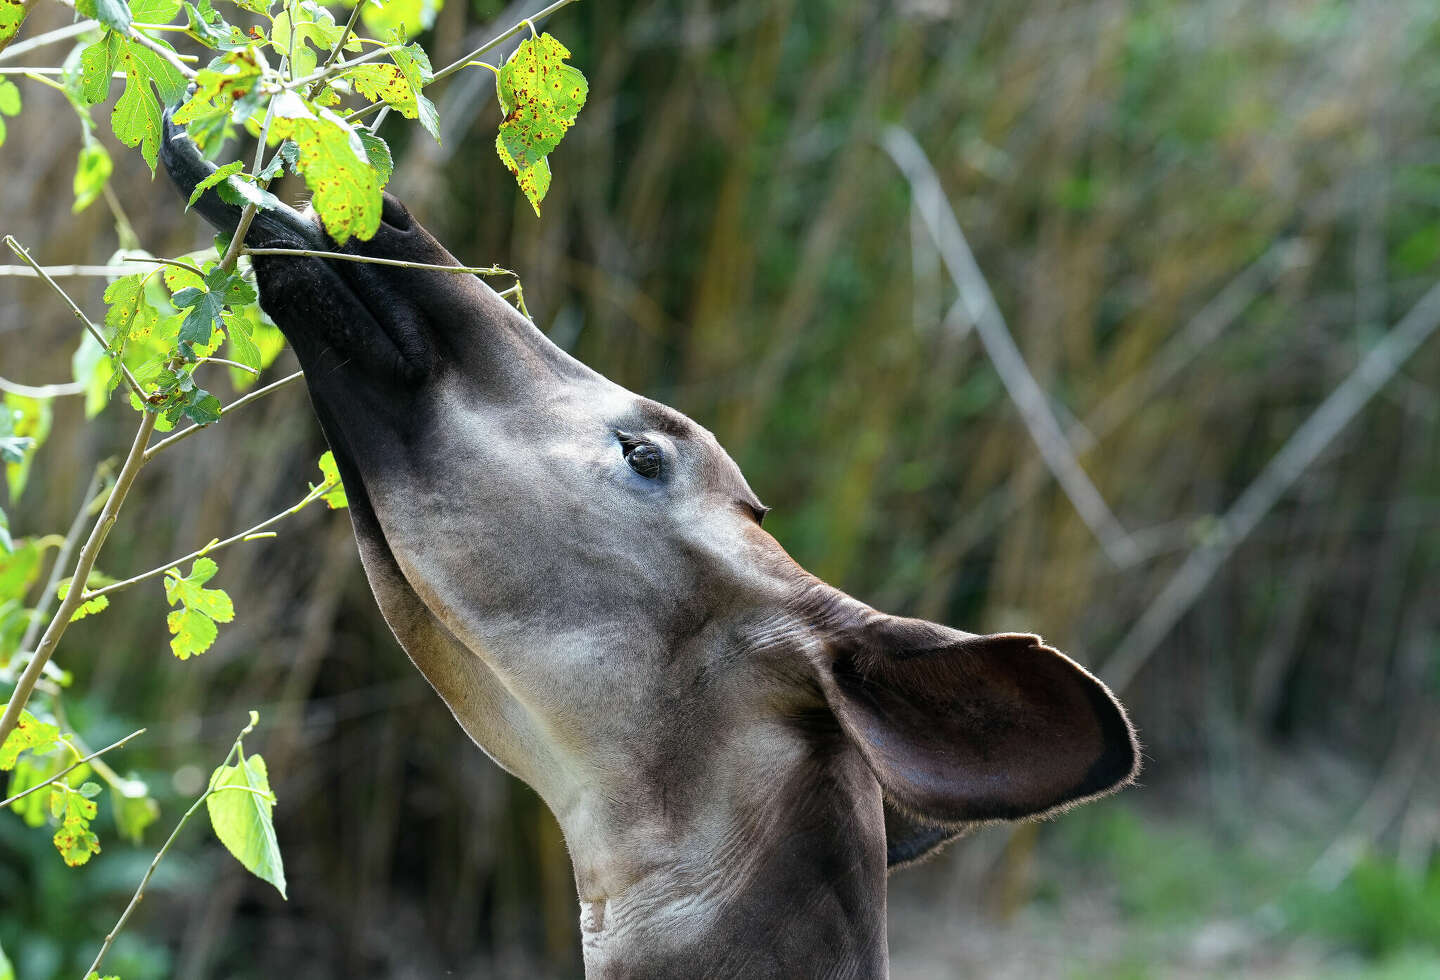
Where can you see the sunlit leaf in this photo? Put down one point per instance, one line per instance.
(334, 498)
(540, 96)
(92, 170)
(23, 430)
(9, 103)
(334, 164)
(243, 818)
(193, 625)
(74, 808)
(12, 15)
(133, 808)
(30, 733)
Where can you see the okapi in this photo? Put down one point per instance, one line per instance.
(735, 750)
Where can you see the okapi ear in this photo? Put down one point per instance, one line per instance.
(961, 728)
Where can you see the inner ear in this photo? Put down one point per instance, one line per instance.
(960, 728)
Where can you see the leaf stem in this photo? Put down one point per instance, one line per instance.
(24, 255)
(478, 270)
(25, 686)
(186, 433)
(69, 769)
(214, 546)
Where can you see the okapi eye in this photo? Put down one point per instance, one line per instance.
(645, 460)
(644, 457)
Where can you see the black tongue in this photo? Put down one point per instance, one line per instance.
(187, 167)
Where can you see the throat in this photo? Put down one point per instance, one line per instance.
(795, 890)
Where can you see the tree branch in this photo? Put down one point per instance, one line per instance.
(1284, 468)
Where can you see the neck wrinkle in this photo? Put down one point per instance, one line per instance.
(793, 886)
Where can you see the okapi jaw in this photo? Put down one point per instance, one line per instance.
(734, 750)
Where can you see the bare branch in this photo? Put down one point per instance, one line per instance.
(989, 323)
(1300, 450)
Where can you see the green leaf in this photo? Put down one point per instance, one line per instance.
(533, 180)
(7, 544)
(136, 116)
(414, 65)
(24, 428)
(240, 331)
(334, 164)
(9, 102)
(154, 11)
(30, 733)
(33, 770)
(90, 607)
(218, 175)
(19, 567)
(7, 972)
(377, 151)
(12, 15)
(313, 26)
(193, 625)
(114, 14)
(192, 633)
(408, 17)
(96, 64)
(335, 498)
(133, 808)
(74, 809)
(243, 818)
(92, 170)
(540, 96)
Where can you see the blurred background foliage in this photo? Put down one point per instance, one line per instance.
(1196, 216)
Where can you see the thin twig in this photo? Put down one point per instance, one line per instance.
(228, 363)
(49, 37)
(1020, 384)
(210, 789)
(187, 266)
(20, 251)
(478, 270)
(344, 35)
(64, 772)
(214, 546)
(42, 391)
(71, 271)
(177, 61)
(1302, 448)
(25, 686)
(186, 433)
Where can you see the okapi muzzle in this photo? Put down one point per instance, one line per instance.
(735, 750)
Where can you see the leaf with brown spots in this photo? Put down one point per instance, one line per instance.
(534, 180)
(335, 166)
(540, 96)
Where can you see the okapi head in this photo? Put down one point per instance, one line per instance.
(735, 750)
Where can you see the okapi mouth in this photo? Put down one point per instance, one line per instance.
(340, 316)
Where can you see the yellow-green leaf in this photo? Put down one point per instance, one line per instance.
(92, 170)
(334, 164)
(12, 15)
(29, 733)
(335, 497)
(243, 818)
